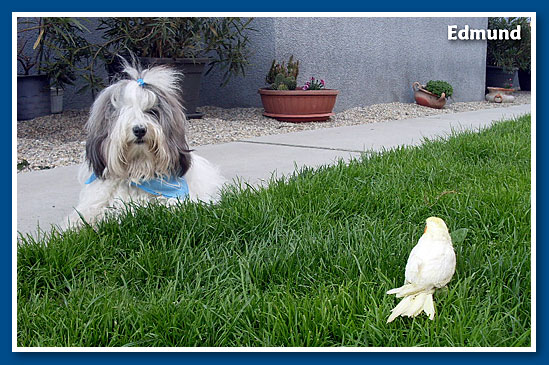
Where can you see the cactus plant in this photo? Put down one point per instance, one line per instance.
(286, 75)
(282, 82)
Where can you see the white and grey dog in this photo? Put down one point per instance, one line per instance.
(136, 149)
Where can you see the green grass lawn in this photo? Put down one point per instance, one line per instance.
(303, 262)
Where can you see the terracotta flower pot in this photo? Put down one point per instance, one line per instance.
(298, 105)
(500, 95)
(427, 98)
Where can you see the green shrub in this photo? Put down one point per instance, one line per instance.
(438, 87)
(509, 54)
(225, 40)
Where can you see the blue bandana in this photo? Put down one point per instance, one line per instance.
(173, 187)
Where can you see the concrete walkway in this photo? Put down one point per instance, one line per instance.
(46, 197)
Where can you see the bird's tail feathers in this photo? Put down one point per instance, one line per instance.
(406, 290)
(414, 304)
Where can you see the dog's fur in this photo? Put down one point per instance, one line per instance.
(119, 157)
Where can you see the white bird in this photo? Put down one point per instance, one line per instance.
(431, 265)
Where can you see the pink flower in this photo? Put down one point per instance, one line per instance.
(322, 82)
(305, 87)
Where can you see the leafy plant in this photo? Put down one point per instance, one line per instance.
(225, 40)
(283, 77)
(509, 54)
(508, 84)
(524, 55)
(438, 87)
(58, 50)
(314, 84)
(458, 236)
(22, 164)
(27, 62)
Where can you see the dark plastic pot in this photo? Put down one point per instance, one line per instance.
(192, 69)
(525, 80)
(496, 77)
(33, 96)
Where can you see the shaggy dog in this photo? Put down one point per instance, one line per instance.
(137, 151)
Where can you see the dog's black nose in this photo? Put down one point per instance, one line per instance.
(139, 131)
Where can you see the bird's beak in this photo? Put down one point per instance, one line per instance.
(425, 231)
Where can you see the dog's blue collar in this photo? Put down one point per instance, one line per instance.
(173, 187)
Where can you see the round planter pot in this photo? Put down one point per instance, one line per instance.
(525, 80)
(500, 95)
(427, 98)
(33, 96)
(192, 69)
(298, 106)
(496, 77)
(56, 98)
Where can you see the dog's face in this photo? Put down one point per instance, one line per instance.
(136, 129)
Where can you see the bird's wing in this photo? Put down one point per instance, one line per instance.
(414, 266)
(431, 264)
(438, 266)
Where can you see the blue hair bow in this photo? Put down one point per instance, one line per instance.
(141, 82)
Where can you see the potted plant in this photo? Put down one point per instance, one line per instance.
(33, 98)
(190, 44)
(502, 54)
(501, 94)
(57, 50)
(434, 94)
(284, 101)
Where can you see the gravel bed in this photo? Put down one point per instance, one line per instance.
(59, 139)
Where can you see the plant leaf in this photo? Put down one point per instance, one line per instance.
(37, 42)
(458, 236)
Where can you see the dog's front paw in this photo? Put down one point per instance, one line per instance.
(73, 220)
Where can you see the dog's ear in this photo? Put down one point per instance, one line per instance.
(94, 154)
(171, 116)
(97, 126)
(184, 162)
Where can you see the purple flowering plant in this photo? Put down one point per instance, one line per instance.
(508, 84)
(314, 84)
